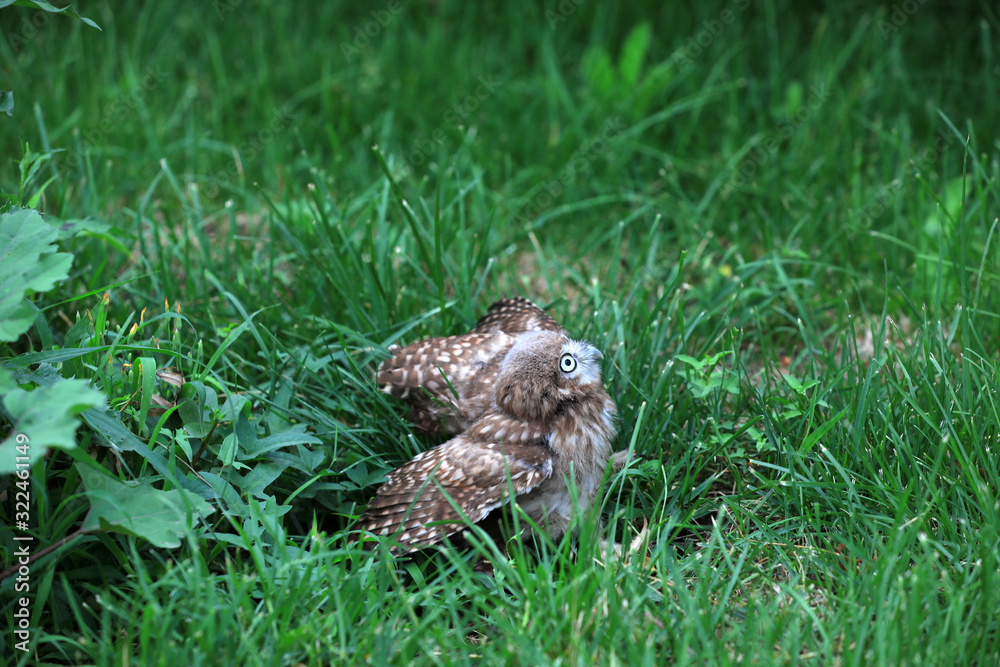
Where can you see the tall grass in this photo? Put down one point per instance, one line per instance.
(779, 224)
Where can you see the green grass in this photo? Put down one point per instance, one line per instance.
(781, 229)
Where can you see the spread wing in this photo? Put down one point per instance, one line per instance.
(418, 373)
(449, 381)
(476, 475)
(515, 315)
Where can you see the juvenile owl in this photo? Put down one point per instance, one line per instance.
(548, 420)
(449, 381)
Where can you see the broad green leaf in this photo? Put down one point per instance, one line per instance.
(259, 477)
(232, 503)
(48, 7)
(227, 453)
(110, 431)
(235, 407)
(161, 517)
(697, 364)
(304, 459)
(7, 382)
(44, 418)
(268, 514)
(183, 441)
(70, 227)
(277, 441)
(245, 435)
(29, 262)
(7, 102)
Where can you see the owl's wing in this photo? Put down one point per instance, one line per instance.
(449, 381)
(470, 364)
(515, 315)
(477, 476)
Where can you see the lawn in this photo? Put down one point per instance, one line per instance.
(778, 221)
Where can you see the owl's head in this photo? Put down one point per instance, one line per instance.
(543, 370)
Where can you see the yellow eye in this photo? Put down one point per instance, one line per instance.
(567, 364)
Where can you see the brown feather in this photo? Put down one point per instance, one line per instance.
(477, 476)
(448, 382)
(515, 315)
(548, 420)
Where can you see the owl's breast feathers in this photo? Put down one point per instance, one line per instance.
(582, 432)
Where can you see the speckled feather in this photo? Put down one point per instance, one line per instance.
(449, 381)
(544, 424)
(473, 473)
(515, 315)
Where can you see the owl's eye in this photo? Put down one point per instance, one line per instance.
(567, 364)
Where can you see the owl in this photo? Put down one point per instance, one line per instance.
(546, 419)
(449, 381)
